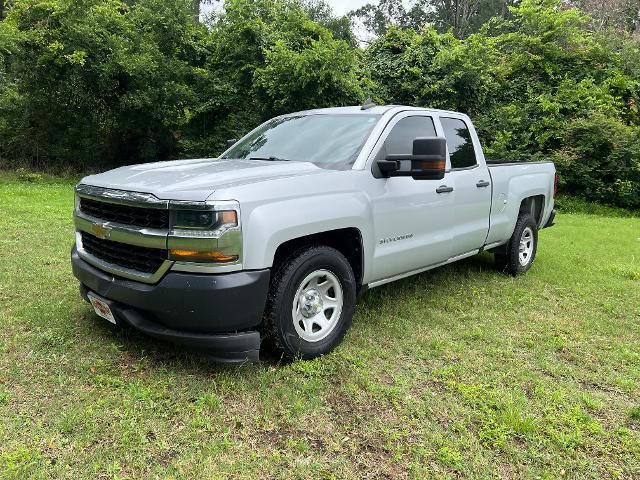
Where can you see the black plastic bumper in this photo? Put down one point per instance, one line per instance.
(212, 313)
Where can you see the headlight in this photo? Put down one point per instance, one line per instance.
(205, 220)
(205, 233)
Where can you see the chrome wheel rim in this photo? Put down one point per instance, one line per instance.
(317, 306)
(525, 252)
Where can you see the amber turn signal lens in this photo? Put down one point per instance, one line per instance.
(212, 256)
(228, 217)
(431, 165)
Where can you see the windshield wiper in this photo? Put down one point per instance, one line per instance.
(270, 159)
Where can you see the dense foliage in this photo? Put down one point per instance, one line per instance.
(90, 83)
(537, 85)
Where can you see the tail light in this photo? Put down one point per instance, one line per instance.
(555, 185)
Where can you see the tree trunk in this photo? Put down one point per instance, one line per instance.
(196, 11)
(1, 9)
(636, 25)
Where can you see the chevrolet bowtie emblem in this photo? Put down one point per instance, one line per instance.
(100, 231)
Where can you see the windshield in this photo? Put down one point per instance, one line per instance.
(323, 139)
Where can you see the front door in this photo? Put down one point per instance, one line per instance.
(412, 218)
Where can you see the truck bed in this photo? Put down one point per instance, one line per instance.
(501, 161)
(511, 182)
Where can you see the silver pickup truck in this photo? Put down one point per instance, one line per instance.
(275, 239)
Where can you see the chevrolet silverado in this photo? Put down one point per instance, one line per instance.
(276, 238)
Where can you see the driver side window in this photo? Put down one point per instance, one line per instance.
(400, 139)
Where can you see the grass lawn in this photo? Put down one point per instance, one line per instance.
(459, 372)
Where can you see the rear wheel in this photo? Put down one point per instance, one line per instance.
(311, 302)
(521, 250)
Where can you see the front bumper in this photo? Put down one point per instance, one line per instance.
(212, 313)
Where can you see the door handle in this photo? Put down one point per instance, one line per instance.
(483, 184)
(444, 189)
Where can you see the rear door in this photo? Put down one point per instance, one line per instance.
(472, 183)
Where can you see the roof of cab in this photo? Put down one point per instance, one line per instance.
(375, 110)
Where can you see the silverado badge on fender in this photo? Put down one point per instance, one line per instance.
(384, 241)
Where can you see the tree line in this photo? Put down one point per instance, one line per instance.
(87, 84)
(465, 17)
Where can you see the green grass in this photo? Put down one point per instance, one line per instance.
(568, 204)
(459, 372)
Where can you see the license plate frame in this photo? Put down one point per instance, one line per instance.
(102, 308)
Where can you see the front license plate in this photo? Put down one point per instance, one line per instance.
(101, 308)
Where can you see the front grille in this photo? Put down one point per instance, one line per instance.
(126, 215)
(141, 259)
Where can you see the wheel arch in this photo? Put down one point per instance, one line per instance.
(348, 241)
(534, 205)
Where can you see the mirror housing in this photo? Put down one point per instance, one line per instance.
(231, 142)
(428, 161)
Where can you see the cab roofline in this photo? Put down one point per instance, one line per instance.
(377, 110)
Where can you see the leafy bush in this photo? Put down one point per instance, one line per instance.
(97, 81)
(538, 85)
(601, 161)
(264, 58)
(29, 177)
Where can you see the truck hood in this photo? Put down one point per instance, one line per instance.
(196, 180)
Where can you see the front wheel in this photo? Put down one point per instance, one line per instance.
(521, 250)
(311, 302)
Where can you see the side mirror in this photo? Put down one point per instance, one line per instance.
(428, 161)
(232, 142)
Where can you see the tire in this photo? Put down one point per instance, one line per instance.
(311, 284)
(525, 237)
